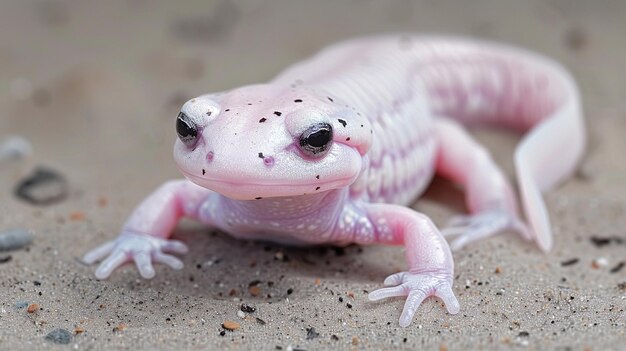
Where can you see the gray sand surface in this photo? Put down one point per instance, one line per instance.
(95, 87)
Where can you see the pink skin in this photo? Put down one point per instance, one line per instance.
(390, 102)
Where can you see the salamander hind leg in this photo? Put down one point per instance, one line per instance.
(470, 228)
(489, 196)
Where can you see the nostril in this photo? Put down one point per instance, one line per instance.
(268, 160)
(209, 156)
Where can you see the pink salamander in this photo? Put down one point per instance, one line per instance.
(331, 151)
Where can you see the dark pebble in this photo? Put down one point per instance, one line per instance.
(569, 262)
(14, 239)
(248, 308)
(42, 187)
(603, 241)
(523, 334)
(59, 336)
(340, 299)
(222, 333)
(334, 337)
(289, 291)
(618, 267)
(311, 333)
(5, 259)
(260, 321)
(349, 305)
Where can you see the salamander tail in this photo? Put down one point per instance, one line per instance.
(479, 83)
(548, 154)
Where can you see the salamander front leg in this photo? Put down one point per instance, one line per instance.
(144, 238)
(489, 195)
(431, 267)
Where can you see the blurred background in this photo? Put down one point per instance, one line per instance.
(93, 87)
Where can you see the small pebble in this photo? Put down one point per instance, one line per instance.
(120, 327)
(14, 148)
(569, 262)
(43, 187)
(311, 333)
(32, 308)
(230, 325)
(14, 239)
(260, 321)
(618, 267)
(21, 304)
(241, 314)
(79, 330)
(59, 336)
(5, 259)
(254, 290)
(247, 308)
(599, 262)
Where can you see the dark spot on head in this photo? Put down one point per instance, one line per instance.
(317, 176)
(318, 188)
(208, 113)
(261, 155)
(348, 139)
(361, 126)
(203, 171)
(371, 131)
(297, 100)
(262, 120)
(278, 113)
(343, 122)
(258, 198)
(330, 99)
(249, 104)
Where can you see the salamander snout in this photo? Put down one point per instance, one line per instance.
(187, 130)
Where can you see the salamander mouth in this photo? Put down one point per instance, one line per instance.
(254, 191)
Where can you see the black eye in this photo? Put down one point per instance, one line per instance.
(316, 139)
(186, 129)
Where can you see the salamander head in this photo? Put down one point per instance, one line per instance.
(263, 141)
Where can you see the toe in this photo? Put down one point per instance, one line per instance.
(446, 294)
(98, 253)
(413, 301)
(169, 260)
(144, 264)
(394, 279)
(110, 264)
(387, 292)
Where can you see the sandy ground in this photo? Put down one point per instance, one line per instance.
(95, 88)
